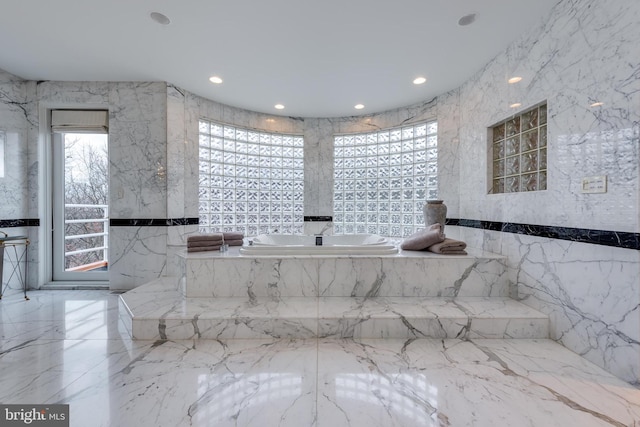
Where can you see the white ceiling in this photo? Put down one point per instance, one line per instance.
(318, 58)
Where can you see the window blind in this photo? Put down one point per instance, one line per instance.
(80, 121)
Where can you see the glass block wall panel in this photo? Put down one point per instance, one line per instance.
(250, 181)
(519, 147)
(382, 179)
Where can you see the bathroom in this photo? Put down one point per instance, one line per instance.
(580, 265)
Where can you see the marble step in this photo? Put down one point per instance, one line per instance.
(158, 311)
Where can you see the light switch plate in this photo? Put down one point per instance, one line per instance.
(594, 184)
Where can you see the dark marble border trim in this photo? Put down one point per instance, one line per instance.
(152, 222)
(618, 239)
(318, 218)
(29, 222)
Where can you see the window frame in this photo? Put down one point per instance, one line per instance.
(517, 161)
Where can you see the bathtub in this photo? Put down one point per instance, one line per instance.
(292, 244)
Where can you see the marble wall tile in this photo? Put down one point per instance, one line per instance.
(138, 150)
(449, 151)
(318, 227)
(176, 169)
(179, 173)
(585, 52)
(16, 123)
(190, 174)
(73, 94)
(557, 61)
(594, 312)
(318, 167)
(176, 242)
(136, 255)
(137, 139)
(590, 293)
(14, 127)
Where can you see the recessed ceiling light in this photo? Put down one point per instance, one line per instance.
(160, 18)
(359, 106)
(597, 104)
(419, 80)
(515, 105)
(279, 107)
(513, 80)
(215, 79)
(467, 20)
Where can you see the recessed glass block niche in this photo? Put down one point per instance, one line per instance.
(519, 152)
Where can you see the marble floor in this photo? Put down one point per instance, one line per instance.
(70, 347)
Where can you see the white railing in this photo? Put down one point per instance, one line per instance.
(104, 219)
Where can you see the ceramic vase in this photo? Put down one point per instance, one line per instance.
(435, 211)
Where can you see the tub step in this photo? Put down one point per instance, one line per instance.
(158, 311)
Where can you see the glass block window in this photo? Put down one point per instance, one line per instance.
(250, 181)
(382, 179)
(520, 152)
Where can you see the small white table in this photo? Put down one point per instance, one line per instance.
(15, 258)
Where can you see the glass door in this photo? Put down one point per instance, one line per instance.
(80, 206)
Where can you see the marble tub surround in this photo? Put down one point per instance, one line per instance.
(408, 273)
(408, 295)
(110, 380)
(158, 311)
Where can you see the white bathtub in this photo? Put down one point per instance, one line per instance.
(291, 244)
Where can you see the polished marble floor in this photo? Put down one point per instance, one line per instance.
(70, 347)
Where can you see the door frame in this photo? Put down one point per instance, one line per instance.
(45, 201)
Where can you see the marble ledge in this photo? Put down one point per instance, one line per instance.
(234, 252)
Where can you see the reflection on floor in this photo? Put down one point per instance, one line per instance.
(68, 347)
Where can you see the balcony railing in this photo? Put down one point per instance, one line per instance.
(82, 242)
